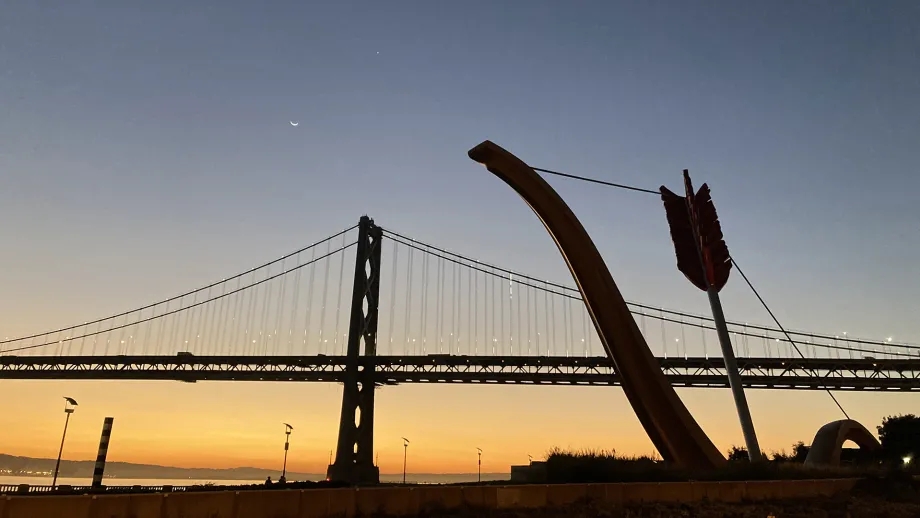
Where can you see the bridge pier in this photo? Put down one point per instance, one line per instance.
(354, 457)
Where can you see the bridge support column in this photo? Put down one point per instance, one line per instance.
(354, 457)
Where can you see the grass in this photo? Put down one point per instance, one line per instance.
(605, 466)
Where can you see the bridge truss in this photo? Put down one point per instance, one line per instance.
(765, 373)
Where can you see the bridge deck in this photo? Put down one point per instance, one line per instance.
(773, 373)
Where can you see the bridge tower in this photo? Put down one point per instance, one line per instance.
(354, 457)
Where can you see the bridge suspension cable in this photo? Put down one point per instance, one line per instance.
(207, 316)
(645, 311)
(183, 295)
(432, 301)
(677, 317)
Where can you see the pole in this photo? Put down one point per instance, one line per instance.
(99, 468)
(734, 379)
(287, 442)
(479, 465)
(57, 465)
(405, 456)
(287, 437)
(728, 354)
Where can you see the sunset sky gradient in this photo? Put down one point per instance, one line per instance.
(145, 148)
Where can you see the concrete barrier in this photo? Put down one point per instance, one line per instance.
(268, 504)
(833, 486)
(564, 494)
(523, 496)
(110, 505)
(206, 504)
(479, 496)
(142, 506)
(48, 507)
(372, 501)
(340, 502)
(610, 494)
(401, 501)
(762, 490)
(314, 504)
(730, 492)
(440, 497)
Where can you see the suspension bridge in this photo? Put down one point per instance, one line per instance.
(424, 315)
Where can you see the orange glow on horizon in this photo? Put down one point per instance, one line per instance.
(227, 425)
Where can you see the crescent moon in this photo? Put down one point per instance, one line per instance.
(295, 124)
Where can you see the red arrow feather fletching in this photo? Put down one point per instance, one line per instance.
(712, 243)
(681, 220)
(688, 260)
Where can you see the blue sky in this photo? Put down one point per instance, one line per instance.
(145, 147)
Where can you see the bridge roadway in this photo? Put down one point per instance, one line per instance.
(771, 373)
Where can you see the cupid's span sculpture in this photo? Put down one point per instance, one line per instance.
(668, 423)
(666, 420)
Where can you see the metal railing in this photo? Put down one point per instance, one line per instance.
(23, 489)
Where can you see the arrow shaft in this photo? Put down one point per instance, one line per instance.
(728, 354)
(734, 378)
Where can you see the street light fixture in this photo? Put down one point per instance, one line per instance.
(530, 459)
(69, 405)
(405, 456)
(479, 466)
(287, 440)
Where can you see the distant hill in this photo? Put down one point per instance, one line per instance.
(84, 469)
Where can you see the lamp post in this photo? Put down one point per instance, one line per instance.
(405, 456)
(479, 466)
(530, 459)
(69, 405)
(287, 441)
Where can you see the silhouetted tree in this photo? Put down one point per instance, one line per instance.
(799, 452)
(740, 453)
(900, 436)
(779, 456)
(737, 453)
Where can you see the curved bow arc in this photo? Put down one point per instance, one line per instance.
(672, 429)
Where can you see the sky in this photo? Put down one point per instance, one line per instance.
(145, 148)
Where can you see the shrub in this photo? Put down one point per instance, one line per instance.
(600, 466)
